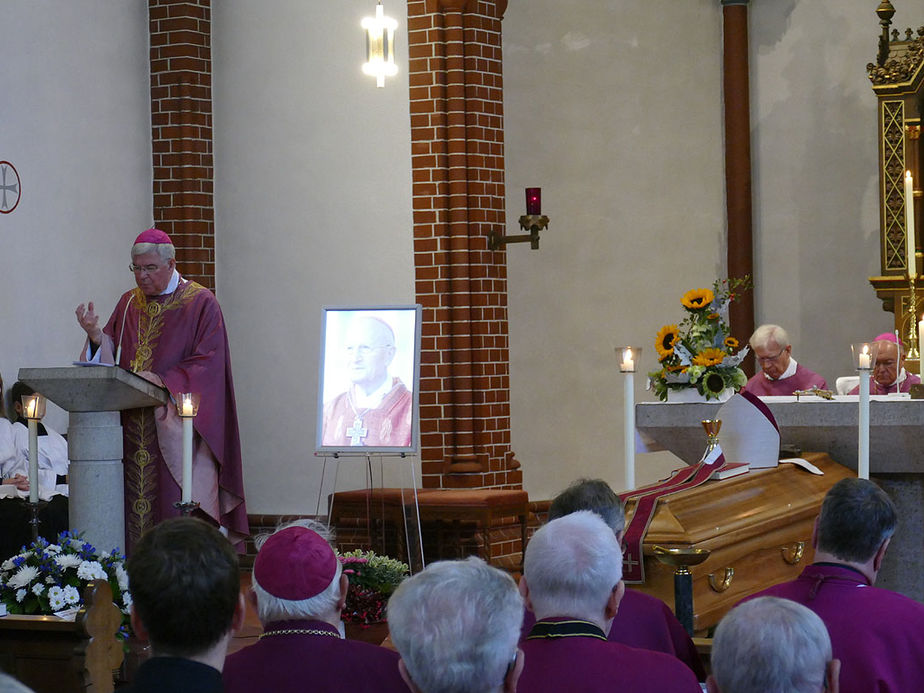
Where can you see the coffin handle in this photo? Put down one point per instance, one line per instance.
(793, 554)
(724, 583)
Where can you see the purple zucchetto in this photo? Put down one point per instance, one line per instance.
(295, 563)
(155, 236)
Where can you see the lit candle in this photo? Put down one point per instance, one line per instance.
(628, 363)
(33, 456)
(864, 358)
(909, 224)
(187, 405)
(30, 408)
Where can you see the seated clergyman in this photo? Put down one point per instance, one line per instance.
(889, 374)
(299, 590)
(572, 581)
(877, 634)
(642, 620)
(772, 645)
(456, 625)
(779, 373)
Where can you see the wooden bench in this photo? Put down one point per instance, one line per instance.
(482, 507)
(47, 653)
(447, 511)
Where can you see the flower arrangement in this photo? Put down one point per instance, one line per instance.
(372, 580)
(47, 578)
(699, 352)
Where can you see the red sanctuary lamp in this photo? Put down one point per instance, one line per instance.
(533, 221)
(534, 201)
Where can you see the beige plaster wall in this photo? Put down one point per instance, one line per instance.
(313, 208)
(615, 110)
(75, 122)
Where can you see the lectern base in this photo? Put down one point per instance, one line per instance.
(95, 476)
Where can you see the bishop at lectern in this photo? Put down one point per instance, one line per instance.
(171, 332)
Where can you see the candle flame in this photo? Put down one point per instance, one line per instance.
(30, 409)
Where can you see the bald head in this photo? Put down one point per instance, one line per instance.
(369, 348)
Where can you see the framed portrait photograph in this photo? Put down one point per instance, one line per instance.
(368, 384)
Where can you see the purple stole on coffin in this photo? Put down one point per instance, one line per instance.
(633, 560)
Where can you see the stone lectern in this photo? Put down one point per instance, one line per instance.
(94, 396)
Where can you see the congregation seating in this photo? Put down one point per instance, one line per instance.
(50, 654)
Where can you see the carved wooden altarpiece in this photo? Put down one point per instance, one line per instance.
(897, 79)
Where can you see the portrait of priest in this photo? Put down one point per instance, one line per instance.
(171, 332)
(376, 408)
(889, 373)
(779, 373)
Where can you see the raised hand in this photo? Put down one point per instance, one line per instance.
(89, 321)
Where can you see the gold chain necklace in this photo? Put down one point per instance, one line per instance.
(299, 631)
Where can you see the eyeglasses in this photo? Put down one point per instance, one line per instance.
(364, 349)
(143, 268)
(770, 359)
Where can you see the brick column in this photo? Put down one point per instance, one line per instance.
(456, 94)
(181, 124)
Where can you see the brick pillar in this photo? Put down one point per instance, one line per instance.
(181, 124)
(456, 104)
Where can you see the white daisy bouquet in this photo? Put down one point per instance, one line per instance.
(47, 578)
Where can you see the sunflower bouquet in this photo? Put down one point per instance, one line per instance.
(699, 352)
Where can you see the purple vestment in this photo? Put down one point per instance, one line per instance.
(181, 337)
(320, 662)
(589, 663)
(802, 379)
(647, 623)
(388, 425)
(877, 634)
(877, 389)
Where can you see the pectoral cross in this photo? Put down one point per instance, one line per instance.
(628, 561)
(356, 432)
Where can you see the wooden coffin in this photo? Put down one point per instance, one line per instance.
(757, 527)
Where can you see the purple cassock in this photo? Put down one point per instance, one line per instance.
(571, 655)
(646, 622)
(181, 337)
(802, 379)
(877, 389)
(877, 634)
(298, 656)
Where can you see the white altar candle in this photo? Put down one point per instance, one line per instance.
(629, 383)
(187, 458)
(863, 443)
(33, 458)
(187, 405)
(909, 224)
(864, 358)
